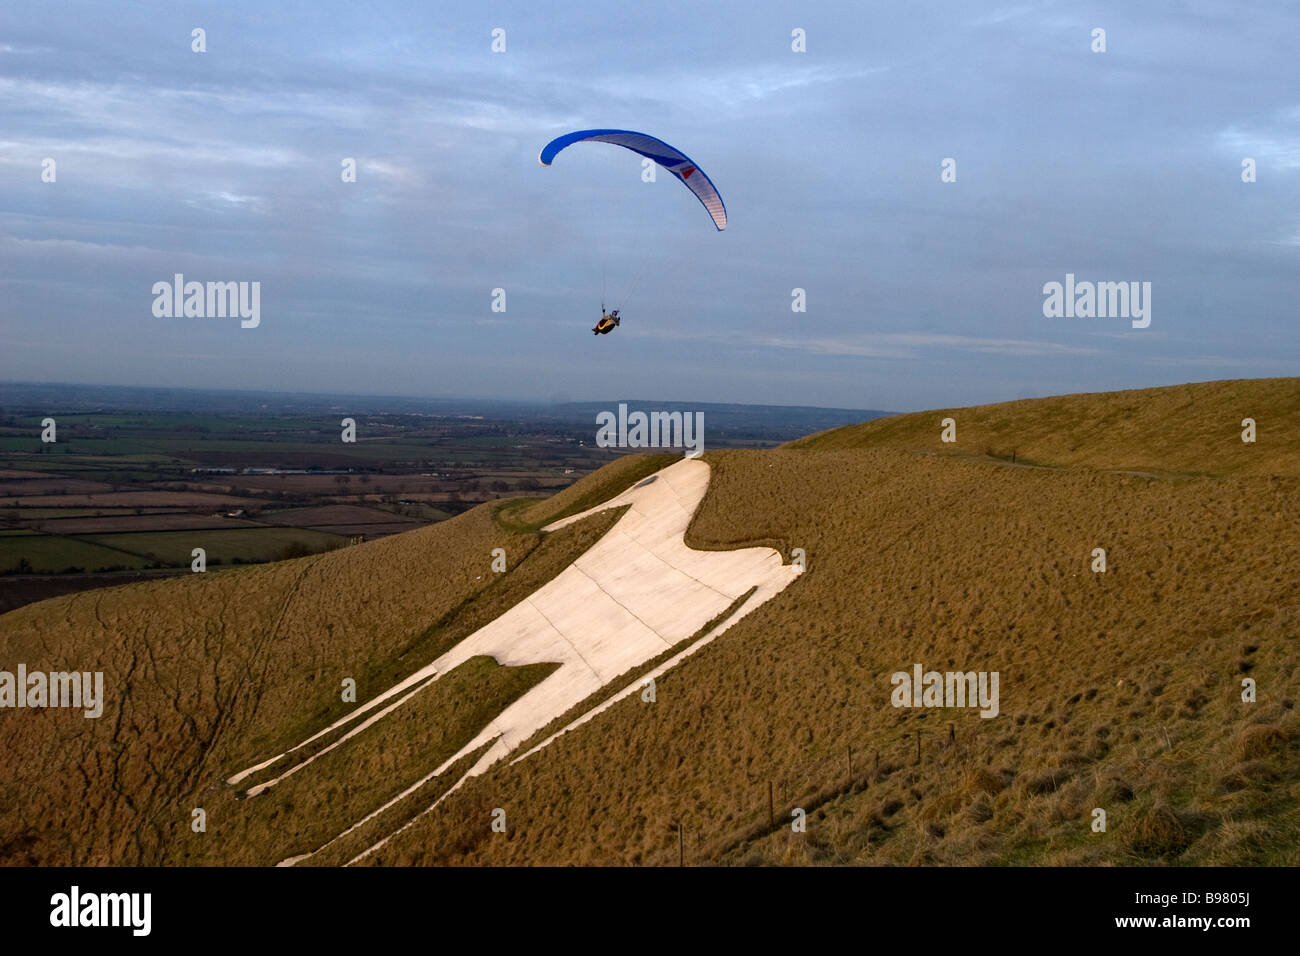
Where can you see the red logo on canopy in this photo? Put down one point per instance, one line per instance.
(686, 173)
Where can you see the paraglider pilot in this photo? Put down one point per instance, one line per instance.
(607, 322)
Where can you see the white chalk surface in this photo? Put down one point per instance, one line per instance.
(637, 592)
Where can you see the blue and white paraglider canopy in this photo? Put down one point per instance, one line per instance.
(673, 160)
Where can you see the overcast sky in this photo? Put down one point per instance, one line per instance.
(225, 165)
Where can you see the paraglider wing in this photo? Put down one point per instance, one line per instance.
(673, 160)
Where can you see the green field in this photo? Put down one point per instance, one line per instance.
(245, 544)
(28, 514)
(50, 555)
(164, 449)
(453, 462)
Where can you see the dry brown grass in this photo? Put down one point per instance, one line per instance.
(589, 491)
(210, 673)
(313, 806)
(1193, 429)
(1119, 691)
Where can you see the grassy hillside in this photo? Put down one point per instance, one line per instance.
(1120, 690)
(1192, 428)
(529, 514)
(209, 673)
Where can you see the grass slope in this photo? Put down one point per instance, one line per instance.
(1120, 691)
(1193, 428)
(206, 674)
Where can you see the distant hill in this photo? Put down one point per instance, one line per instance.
(731, 421)
(1192, 428)
(1120, 690)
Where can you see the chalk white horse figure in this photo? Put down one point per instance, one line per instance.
(634, 594)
